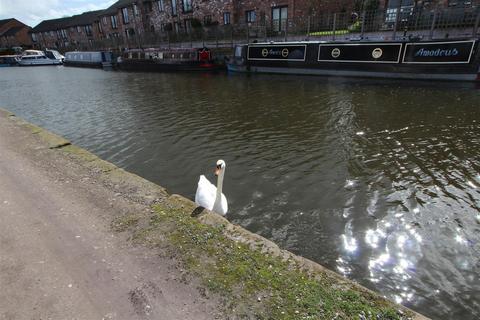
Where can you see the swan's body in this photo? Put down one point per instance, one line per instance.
(209, 196)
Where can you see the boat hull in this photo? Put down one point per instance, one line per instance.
(39, 63)
(410, 75)
(81, 64)
(448, 61)
(145, 65)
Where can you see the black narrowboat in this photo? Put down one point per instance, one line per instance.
(169, 60)
(428, 60)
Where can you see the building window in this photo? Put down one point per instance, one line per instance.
(88, 30)
(62, 34)
(114, 22)
(125, 15)
(174, 7)
(104, 20)
(279, 18)
(404, 14)
(462, 3)
(34, 37)
(226, 18)
(148, 6)
(129, 32)
(187, 6)
(161, 5)
(250, 16)
(188, 25)
(135, 9)
(207, 20)
(99, 26)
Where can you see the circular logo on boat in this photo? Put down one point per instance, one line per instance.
(335, 53)
(377, 53)
(285, 53)
(264, 52)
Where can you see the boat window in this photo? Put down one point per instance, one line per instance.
(135, 55)
(142, 55)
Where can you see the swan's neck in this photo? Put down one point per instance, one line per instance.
(218, 197)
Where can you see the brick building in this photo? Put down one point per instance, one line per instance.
(129, 22)
(125, 18)
(14, 33)
(78, 31)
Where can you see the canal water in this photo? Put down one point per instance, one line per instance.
(378, 180)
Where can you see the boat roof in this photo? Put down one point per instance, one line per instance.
(355, 40)
(165, 49)
(83, 52)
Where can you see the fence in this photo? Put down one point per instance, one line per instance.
(390, 24)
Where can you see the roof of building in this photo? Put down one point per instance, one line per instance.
(11, 32)
(49, 25)
(118, 5)
(5, 21)
(84, 18)
(67, 22)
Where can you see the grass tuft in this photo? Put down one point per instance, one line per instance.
(255, 284)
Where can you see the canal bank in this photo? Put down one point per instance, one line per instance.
(96, 240)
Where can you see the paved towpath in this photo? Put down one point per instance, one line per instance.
(59, 258)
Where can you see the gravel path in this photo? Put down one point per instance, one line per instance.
(59, 258)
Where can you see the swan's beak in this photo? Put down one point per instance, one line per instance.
(217, 171)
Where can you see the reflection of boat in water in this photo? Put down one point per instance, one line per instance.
(37, 58)
(434, 60)
(92, 59)
(169, 60)
(8, 60)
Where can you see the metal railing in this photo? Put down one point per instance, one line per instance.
(390, 24)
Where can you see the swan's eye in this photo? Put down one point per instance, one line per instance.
(219, 166)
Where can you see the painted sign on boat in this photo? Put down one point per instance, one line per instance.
(286, 52)
(439, 52)
(360, 52)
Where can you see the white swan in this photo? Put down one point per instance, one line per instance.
(209, 196)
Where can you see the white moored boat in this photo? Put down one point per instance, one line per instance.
(37, 58)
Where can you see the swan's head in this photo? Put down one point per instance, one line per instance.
(220, 167)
